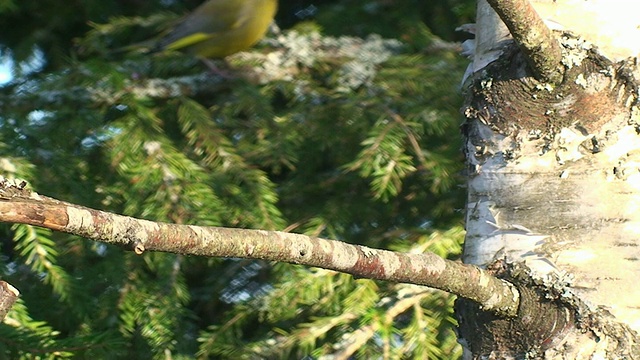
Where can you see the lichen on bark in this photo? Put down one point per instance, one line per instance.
(553, 183)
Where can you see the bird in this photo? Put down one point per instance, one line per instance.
(219, 28)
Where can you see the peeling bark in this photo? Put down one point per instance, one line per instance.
(554, 182)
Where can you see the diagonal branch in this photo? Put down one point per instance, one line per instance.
(19, 205)
(535, 39)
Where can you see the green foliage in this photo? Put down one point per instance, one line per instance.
(389, 18)
(313, 311)
(344, 138)
(38, 251)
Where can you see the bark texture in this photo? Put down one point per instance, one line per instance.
(533, 37)
(611, 24)
(554, 182)
(19, 205)
(8, 296)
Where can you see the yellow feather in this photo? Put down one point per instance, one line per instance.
(219, 28)
(187, 41)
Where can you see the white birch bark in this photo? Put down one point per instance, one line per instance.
(569, 204)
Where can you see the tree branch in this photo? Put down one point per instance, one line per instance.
(19, 205)
(535, 39)
(8, 296)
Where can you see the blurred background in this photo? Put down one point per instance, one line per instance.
(342, 123)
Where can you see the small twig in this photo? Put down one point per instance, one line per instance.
(535, 39)
(8, 296)
(18, 205)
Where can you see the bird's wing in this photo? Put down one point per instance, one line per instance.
(205, 22)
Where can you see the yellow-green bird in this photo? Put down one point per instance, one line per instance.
(219, 28)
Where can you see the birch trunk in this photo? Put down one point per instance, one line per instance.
(554, 171)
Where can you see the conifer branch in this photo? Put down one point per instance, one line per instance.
(359, 337)
(19, 205)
